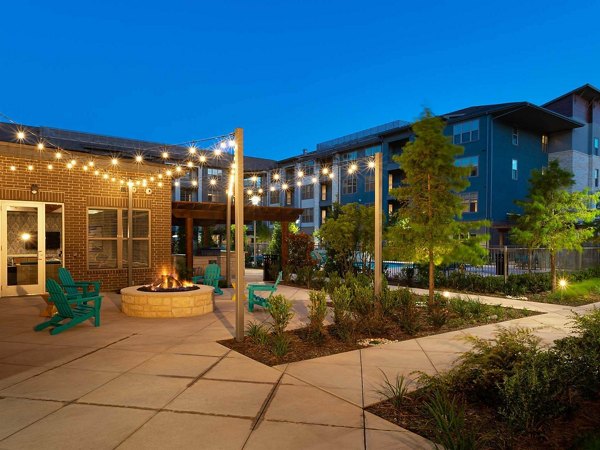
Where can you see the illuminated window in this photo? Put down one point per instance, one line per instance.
(307, 192)
(545, 143)
(515, 169)
(323, 192)
(307, 215)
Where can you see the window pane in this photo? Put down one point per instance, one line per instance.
(141, 253)
(102, 223)
(102, 254)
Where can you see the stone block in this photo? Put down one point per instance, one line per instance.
(181, 312)
(184, 302)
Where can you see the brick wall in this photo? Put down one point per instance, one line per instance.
(78, 190)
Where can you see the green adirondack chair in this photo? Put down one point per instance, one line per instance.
(67, 316)
(211, 277)
(72, 287)
(254, 299)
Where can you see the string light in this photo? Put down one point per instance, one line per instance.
(325, 170)
(371, 164)
(249, 192)
(254, 178)
(91, 163)
(218, 151)
(177, 183)
(85, 168)
(96, 172)
(223, 145)
(299, 183)
(314, 179)
(13, 168)
(139, 158)
(178, 169)
(331, 175)
(58, 155)
(300, 174)
(231, 143)
(50, 167)
(30, 167)
(165, 155)
(73, 162)
(276, 176)
(272, 188)
(20, 135)
(40, 146)
(169, 172)
(105, 176)
(114, 161)
(202, 158)
(69, 165)
(192, 150)
(190, 164)
(284, 186)
(213, 182)
(194, 183)
(160, 184)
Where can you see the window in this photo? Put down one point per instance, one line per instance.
(390, 182)
(390, 209)
(545, 143)
(307, 215)
(349, 185)
(107, 238)
(323, 192)
(596, 177)
(515, 169)
(307, 192)
(188, 194)
(369, 182)
(274, 198)
(323, 215)
(596, 145)
(214, 197)
(465, 132)
(309, 168)
(515, 136)
(471, 161)
(370, 151)
(289, 195)
(469, 201)
(214, 172)
(350, 156)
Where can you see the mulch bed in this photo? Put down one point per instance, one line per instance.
(493, 433)
(303, 348)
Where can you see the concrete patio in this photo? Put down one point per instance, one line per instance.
(166, 383)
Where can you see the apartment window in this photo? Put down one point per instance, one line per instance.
(289, 195)
(370, 182)
(390, 209)
(515, 169)
(107, 238)
(545, 143)
(307, 192)
(471, 161)
(349, 185)
(596, 177)
(469, 202)
(214, 172)
(370, 151)
(323, 215)
(515, 136)
(350, 156)
(307, 215)
(323, 192)
(213, 197)
(309, 168)
(274, 198)
(189, 195)
(390, 182)
(466, 132)
(596, 145)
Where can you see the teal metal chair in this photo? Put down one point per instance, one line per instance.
(67, 316)
(211, 277)
(72, 287)
(254, 299)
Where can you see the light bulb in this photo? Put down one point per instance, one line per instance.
(284, 186)
(152, 179)
(169, 173)
(192, 150)
(178, 169)
(96, 172)
(260, 191)
(105, 176)
(139, 158)
(40, 146)
(91, 163)
(194, 183)
(371, 164)
(58, 155)
(69, 166)
(85, 168)
(254, 178)
(325, 170)
(276, 176)
(314, 179)
(50, 167)
(177, 183)
(165, 155)
(190, 164)
(121, 181)
(160, 176)
(114, 161)
(223, 145)
(202, 158)
(213, 182)
(331, 175)
(130, 183)
(30, 167)
(231, 143)
(20, 135)
(272, 188)
(73, 162)
(113, 179)
(299, 183)
(300, 174)
(218, 151)
(13, 168)
(249, 192)
(160, 184)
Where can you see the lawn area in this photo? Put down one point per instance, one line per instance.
(573, 294)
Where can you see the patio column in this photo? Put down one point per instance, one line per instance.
(285, 234)
(189, 244)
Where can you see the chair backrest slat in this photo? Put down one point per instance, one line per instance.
(66, 278)
(279, 277)
(58, 297)
(212, 271)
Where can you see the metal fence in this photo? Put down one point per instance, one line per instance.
(506, 261)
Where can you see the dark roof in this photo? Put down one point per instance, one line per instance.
(586, 91)
(523, 114)
(103, 145)
(208, 213)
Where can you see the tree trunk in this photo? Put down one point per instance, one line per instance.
(553, 269)
(431, 275)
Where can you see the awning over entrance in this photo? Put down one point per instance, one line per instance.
(207, 213)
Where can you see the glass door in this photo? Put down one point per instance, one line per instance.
(22, 248)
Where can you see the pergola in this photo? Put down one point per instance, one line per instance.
(191, 214)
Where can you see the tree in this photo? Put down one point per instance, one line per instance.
(429, 227)
(349, 236)
(553, 217)
(275, 244)
(299, 251)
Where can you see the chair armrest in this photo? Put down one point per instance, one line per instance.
(261, 287)
(96, 284)
(87, 299)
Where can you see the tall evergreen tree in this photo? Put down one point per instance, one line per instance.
(553, 217)
(429, 228)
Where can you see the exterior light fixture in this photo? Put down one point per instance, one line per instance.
(34, 189)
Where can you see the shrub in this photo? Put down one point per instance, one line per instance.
(395, 392)
(317, 310)
(257, 332)
(280, 345)
(448, 416)
(334, 282)
(484, 367)
(468, 308)
(281, 312)
(390, 300)
(300, 246)
(362, 301)
(341, 313)
(409, 317)
(437, 311)
(534, 392)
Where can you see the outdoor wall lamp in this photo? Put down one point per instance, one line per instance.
(34, 189)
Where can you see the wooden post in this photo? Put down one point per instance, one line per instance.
(285, 234)
(228, 231)
(378, 223)
(240, 285)
(130, 233)
(189, 245)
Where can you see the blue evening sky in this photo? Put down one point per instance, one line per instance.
(291, 73)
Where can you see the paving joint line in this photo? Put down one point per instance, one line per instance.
(362, 396)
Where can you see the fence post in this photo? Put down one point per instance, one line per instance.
(505, 264)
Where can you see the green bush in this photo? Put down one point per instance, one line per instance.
(334, 282)
(281, 312)
(257, 332)
(467, 308)
(409, 317)
(342, 317)
(390, 300)
(448, 416)
(394, 391)
(534, 392)
(437, 311)
(280, 345)
(317, 310)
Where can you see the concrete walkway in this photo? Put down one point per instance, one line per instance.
(166, 383)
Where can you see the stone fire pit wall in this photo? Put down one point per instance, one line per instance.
(166, 304)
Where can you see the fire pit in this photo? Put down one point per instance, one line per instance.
(168, 283)
(167, 297)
